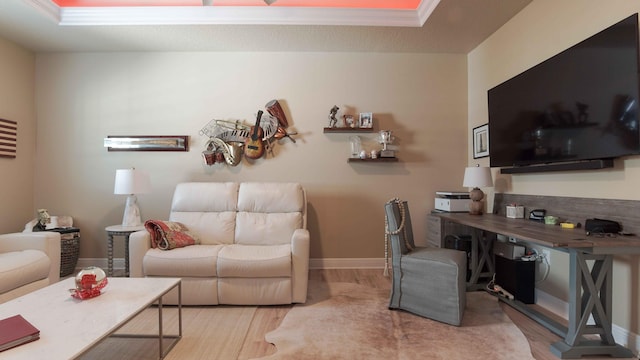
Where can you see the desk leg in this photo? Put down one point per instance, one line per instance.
(590, 294)
(109, 255)
(480, 245)
(126, 255)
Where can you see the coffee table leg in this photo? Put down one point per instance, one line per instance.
(161, 350)
(160, 336)
(109, 255)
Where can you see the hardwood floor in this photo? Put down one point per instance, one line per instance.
(268, 318)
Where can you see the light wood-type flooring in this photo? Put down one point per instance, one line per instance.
(267, 318)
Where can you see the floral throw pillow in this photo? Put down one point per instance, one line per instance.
(167, 235)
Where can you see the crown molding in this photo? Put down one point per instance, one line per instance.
(234, 15)
(425, 9)
(46, 7)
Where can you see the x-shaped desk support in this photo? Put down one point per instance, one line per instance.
(480, 255)
(590, 294)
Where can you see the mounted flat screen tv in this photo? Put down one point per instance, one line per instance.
(576, 110)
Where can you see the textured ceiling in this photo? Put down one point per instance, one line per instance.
(455, 26)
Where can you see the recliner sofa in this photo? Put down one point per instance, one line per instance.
(28, 261)
(253, 244)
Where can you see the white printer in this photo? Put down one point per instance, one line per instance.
(452, 201)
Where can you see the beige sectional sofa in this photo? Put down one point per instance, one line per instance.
(253, 250)
(28, 261)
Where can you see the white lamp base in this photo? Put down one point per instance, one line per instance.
(131, 212)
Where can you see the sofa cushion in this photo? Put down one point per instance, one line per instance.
(212, 228)
(205, 197)
(270, 197)
(265, 228)
(18, 268)
(255, 261)
(190, 261)
(208, 209)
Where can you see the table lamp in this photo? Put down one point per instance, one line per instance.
(476, 177)
(131, 182)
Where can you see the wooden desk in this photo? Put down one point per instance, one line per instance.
(590, 287)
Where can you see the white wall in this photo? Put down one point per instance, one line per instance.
(82, 98)
(17, 103)
(541, 30)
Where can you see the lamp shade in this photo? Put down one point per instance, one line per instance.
(476, 176)
(131, 181)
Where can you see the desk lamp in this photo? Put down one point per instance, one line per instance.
(476, 177)
(131, 182)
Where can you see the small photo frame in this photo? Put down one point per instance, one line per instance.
(366, 120)
(481, 141)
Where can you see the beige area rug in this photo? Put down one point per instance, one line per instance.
(212, 332)
(351, 321)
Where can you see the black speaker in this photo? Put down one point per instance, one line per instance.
(517, 277)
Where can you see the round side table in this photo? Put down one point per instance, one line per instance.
(119, 230)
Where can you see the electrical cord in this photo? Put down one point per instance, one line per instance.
(535, 256)
(546, 269)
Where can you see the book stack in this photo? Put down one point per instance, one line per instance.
(16, 331)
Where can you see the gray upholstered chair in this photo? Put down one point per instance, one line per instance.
(430, 282)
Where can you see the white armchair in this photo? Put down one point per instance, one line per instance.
(28, 261)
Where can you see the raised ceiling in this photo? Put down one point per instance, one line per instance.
(246, 12)
(386, 4)
(427, 26)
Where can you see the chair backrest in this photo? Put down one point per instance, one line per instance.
(399, 237)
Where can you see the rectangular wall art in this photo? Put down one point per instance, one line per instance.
(8, 138)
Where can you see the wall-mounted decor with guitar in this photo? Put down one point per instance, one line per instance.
(229, 140)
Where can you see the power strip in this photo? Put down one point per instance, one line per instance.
(498, 289)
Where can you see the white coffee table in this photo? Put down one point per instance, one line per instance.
(69, 327)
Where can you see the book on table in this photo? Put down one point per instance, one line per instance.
(16, 330)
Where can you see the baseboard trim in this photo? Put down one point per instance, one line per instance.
(118, 263)
(315, 264)
(346, 263)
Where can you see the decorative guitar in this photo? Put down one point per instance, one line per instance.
(253, 145)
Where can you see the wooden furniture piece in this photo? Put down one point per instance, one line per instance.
(590, 279)
(70, 327)
(437, 229)
(124, 231)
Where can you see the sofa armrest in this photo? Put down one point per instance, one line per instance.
(46, 241)
(300, 243)
(139, 244)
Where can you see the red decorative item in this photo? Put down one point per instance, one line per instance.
(89, 282)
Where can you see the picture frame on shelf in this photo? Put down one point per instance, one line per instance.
(481, 141)
(365, 120)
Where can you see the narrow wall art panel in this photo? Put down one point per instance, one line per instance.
(8, 138)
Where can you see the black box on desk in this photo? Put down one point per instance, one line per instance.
(517, 277)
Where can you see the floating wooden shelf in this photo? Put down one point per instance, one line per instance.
(347, 130)
(373, 160)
